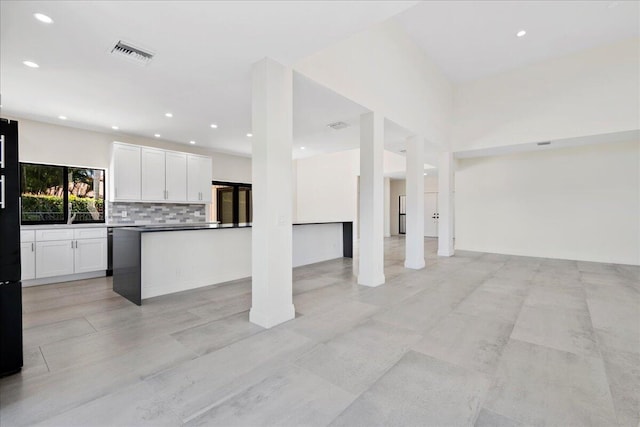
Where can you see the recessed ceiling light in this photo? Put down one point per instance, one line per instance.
(214, 126)
(249, 135)
(30, 64)
(425, 174)
(115, 127)
(302, 148)
(62, 117)
(521, 33)
(168, 114)
(192, 142)
(157, 135)
(43, 18)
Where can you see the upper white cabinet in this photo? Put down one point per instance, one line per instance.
(160, 175)
(153, 174)
(125, 172)
(176, 176)
(198, 178)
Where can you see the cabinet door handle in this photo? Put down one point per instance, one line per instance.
(72, 244)
(2, 192)
(33, 247)
(1, 151)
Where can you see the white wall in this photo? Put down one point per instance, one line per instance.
(398, 188)
(382, 69)
(587, 93)
(47, 143)
(579, 203)
(327, 185)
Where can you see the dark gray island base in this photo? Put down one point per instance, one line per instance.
(138, 274)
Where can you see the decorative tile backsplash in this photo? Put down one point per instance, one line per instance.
(154, 213)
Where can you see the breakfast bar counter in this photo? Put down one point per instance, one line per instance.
(154, 260)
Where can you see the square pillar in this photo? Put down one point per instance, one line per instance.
(414, 241)
(371, 265)
(445, 204)
(271, 167)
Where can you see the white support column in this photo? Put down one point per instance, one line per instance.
(271, 242)
(371, 266)
(387, 207)
(445, 204)
(414, 241)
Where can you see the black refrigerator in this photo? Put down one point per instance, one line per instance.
(10, 286)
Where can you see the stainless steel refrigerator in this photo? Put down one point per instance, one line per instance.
(10, 286)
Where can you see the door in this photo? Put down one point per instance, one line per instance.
(28, 260)
(90, 255)
(431, 214)
(176, 176)
(54, 258)
(153, 174)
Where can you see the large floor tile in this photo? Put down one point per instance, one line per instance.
(493, 305)
(617, 323)
(45, 334)
(560, 328)
(292, 397)
(473, 342)
(43, 397)
(538, 385)
(623, 372)
(356, 359)
(131, 406)
(419, 391)
(194, 387)
(217, 334)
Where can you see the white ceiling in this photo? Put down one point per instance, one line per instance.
(204, 51)
(472, 39)
(201, 71)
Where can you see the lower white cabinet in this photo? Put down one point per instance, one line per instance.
(54, 258)
(90, 255)
(28, 260)
(63, 252)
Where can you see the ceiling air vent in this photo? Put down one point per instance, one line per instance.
(338, 125)
(132, 53)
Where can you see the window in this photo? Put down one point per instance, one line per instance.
(231, 203)
(53, 194)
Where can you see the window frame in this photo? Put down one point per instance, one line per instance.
(65, 194)
(236, 199)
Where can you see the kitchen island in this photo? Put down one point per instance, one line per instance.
(154, 260)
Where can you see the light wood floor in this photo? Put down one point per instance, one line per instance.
(476, 339)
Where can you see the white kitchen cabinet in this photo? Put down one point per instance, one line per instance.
(28, 260)
(198, 179)
(176, 176)
(90, 255)
(153, 174)
(126, 172)
(146, 174)
(47, 253)
(54, 258)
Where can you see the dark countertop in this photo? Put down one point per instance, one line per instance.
(151, 228)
